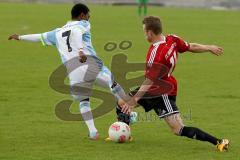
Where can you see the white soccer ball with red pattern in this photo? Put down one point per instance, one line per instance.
(119, 132)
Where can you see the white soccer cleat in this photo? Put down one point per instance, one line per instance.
(133, 117)
(93, 136)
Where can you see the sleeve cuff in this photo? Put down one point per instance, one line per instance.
(42, 40)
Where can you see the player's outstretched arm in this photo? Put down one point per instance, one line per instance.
(30, 37)
(200, 48)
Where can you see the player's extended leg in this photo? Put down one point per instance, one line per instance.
(105, 79)
(176, 124)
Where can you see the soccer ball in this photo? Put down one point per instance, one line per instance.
(119, 132)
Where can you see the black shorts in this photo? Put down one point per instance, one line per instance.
(163, 105)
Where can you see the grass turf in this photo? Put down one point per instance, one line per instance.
(208, 85)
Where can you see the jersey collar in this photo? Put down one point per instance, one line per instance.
(160, 42)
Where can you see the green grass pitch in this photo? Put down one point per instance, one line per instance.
(208, 85)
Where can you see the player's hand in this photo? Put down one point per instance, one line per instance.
(128, 106)
(15, 37)
(125, 108)
(123, 105)
(216, 50)
(82, 57)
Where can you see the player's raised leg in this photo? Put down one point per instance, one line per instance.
(106, 79)
(176, 124)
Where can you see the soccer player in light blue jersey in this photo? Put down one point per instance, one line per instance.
(73, 41)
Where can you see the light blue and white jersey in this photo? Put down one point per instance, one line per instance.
(70, 39)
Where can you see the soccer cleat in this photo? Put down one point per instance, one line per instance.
(108, 139)
(133, 117)
(223, 145)
(93, 136)
(130, 139)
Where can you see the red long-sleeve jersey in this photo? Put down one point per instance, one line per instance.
(161, 61)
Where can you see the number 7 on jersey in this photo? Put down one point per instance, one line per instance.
(67, 34)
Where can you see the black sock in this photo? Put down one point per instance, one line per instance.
(195, 133)
(122, 117)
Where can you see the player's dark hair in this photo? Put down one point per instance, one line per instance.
(153, 24)
(78, 9)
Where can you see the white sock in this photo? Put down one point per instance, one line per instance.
(87, 116)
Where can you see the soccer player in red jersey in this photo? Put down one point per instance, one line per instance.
(159, 90)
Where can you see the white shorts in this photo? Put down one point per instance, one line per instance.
(84, 77)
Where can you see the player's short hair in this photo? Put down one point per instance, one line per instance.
(153, 24)
(78, 9)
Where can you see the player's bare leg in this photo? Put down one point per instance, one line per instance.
(176, 124)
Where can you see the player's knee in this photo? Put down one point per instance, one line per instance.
(175, 123)
(176, 131)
